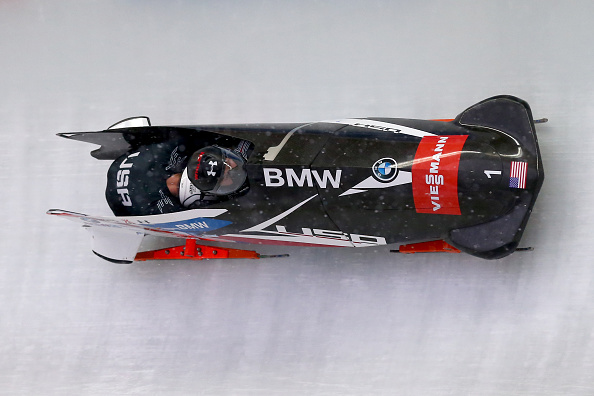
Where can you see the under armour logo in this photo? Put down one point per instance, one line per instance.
(212, 164)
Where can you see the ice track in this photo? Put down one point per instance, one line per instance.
(323, 321)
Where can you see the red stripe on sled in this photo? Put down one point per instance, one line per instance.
(435, 174)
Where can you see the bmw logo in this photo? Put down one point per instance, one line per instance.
(385, 170)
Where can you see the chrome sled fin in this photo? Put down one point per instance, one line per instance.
(114, 244)
(113, 240)
(132, 122)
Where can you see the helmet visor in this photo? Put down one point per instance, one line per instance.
(233, 175)
(213, 170)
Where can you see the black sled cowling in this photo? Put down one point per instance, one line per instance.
(471, 181)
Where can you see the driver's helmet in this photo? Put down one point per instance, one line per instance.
(211, 170)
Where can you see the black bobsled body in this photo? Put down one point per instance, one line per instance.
(471, 181)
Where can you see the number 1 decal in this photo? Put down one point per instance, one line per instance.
(491, 172)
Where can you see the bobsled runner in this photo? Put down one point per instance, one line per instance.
(467, 184)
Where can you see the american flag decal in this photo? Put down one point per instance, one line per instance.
(517, 175)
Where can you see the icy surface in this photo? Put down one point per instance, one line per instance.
(324, 321)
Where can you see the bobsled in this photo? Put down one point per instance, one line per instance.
(467, 184)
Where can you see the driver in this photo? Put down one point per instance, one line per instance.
(159, 178)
